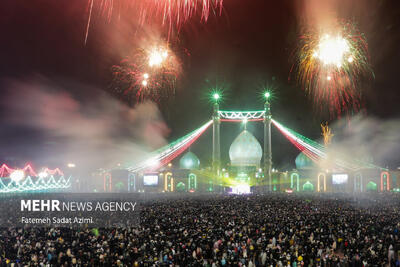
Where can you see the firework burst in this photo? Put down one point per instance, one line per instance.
(172, 13)
(149, 73)
(332, 66)
(177, 11)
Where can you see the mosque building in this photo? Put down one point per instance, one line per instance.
(243, 174)
(245, 155)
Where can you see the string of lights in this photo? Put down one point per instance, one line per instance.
(27, 179)
(167, 153)
(317, 152)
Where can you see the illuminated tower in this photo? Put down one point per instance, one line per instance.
(216, 156)
(267, 141)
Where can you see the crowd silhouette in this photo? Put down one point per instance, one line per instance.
(225, 230)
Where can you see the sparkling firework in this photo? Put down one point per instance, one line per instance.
(327, 134)
(166, 12)
(147, 74)
(176, 11)
(332, 66)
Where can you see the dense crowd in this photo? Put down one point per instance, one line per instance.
(251, 230)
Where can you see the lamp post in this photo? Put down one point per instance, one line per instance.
(267, 140)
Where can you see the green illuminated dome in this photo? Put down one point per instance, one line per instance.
(304, 162)
(307, 186)
(371, 186)
(245, 150)
(189, 161)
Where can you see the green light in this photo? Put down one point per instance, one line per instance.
(192, 181)
(267, 95)
(216, 96)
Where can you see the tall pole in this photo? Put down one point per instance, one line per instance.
(267, 141)
(216, 157)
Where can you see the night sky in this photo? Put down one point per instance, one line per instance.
(248, 46)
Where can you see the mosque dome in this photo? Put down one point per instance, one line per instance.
(308, 186)
(189, 161)
(371, 186)
(245, 150)
(303, 162)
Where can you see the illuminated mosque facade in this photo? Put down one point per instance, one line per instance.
(244, 174)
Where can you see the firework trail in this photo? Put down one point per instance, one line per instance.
(331, 66)
(147, 74)
(172, 13)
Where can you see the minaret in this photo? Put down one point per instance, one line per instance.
(216, 156)
(267, 141)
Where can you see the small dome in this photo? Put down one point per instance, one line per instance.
(371, 186)
(245, 150)
(189, 161)
(304, 162)
(308, 186)
(180, 187)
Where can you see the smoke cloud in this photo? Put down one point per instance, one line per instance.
(368, 139)
(52, 125)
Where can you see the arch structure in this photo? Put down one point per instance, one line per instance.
(321, 185)
(131, 182)
(107, 182)
(192, 182)
(385, 181)
(168, 182)
(358, 182)
(296, 176)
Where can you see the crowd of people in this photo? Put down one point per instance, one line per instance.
(225, 230)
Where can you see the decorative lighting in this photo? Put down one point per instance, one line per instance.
(43, 174)
(241, 189)
(17, 175)
(170, 151)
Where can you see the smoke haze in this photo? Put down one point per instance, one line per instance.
(92, 130)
